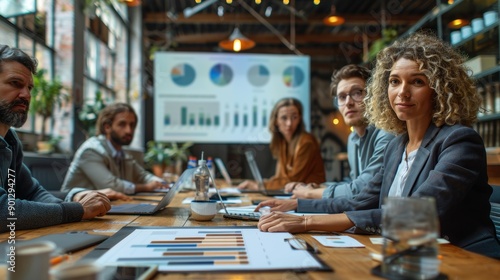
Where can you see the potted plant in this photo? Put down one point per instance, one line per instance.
(157, 157)
(89, 113)
(45, 96)
(178, 155)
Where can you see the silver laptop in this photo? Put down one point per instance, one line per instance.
(225, 174)
(258, 178)
(252, 216)
(147, 208)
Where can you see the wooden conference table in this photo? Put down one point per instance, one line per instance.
(347, 263)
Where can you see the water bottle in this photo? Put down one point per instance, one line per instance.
(191, 162)
(201, 180)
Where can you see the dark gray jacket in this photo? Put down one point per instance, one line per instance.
(450, 165)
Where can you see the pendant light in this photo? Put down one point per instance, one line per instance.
(237, 42)
(333, 19)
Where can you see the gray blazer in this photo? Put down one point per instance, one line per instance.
(451, 167)
(94, 168)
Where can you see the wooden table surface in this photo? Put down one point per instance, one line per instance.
(348, 263)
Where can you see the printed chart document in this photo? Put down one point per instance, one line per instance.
(211, 249)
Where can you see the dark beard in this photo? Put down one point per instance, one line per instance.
(117, 140)
(13, 118)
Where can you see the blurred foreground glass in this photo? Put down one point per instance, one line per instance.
(410, 228)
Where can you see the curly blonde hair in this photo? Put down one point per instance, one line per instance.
(456, 100)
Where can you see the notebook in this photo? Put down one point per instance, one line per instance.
(258, 178)
(147, 208)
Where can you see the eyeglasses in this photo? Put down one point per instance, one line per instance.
(355, 94)
(301, 244)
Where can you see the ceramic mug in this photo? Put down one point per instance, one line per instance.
(477, 25)
(466, 31)
(33, 260)
(456, 37)
(203, 210)
(490, 17)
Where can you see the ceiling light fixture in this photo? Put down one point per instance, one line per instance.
(220, 11)
(131, 3)
(269, 11)
(458, 23)
(237, 42)
(333, 19)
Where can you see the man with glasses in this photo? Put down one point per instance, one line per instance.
(365, 145)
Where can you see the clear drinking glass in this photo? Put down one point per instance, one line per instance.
(410, 228)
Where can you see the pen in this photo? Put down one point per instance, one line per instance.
(58, 259)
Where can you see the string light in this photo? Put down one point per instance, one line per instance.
(335, 121)
(258, 2)
(229, 1)
(286, 2)
(198, 1)
(316, 2)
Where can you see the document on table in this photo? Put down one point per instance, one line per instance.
(341, 241)
(229, 200)
(211, 249)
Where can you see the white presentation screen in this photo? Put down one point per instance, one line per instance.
(224, 98)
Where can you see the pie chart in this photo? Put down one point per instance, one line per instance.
(221, 74)
(183, 74)
(293, 76)
(258, 75)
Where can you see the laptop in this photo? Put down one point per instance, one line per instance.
(248, 216)
(149, 209)
(258, 177)
(225, 174)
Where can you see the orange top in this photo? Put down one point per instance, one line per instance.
(305, 165)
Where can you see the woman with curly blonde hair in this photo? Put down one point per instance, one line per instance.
(456, 100)
(421, 91)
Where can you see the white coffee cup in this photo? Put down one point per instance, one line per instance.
(203, 210)
(32, 261)
(81, 271)
(456, 37)
(477, 25)
(466, 31)
(490, 17)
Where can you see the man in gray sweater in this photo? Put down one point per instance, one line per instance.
(24, 203)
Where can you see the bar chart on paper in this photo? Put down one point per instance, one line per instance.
(209, 249)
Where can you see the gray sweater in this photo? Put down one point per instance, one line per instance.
(24, 203)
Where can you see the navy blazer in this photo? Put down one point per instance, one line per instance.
(450, 166)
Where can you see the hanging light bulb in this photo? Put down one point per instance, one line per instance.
(258, 2)
(131, 3)
(198, 1)
(316, 2)
(237, 42)
(333, 19)
(286, 2)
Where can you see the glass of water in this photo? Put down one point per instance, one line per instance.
(410, 228)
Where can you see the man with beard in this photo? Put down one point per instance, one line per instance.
(100, 162)
(365, 145)
(24, 203)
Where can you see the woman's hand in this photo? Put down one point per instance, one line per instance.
(281, 222)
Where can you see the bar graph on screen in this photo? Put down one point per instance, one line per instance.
(224, 98)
